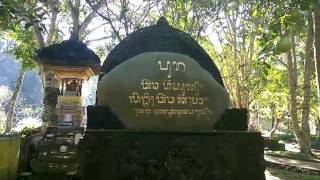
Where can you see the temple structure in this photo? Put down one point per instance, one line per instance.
(161, 112)
(64, 68)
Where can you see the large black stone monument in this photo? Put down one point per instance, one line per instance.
(162, 112)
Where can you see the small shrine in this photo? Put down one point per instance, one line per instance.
(64, 68)
(69, 109)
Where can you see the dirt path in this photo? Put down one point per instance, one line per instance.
(289, 165)
(276, 174)
(293, 162)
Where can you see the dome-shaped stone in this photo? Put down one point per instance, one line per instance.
(160, 38)
(146, 96)
(159, 78)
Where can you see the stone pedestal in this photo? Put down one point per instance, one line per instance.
(145, 155)
(70, 111)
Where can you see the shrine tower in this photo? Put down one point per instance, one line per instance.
(65, 67)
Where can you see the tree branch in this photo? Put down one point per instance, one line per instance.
(92, 15)
(97, 39)
(52, 27)
(92, 30)
(107, 19)
(145, 13)
(38, 35)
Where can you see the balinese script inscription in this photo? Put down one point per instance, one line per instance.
(168, 85)
(170, 97)
(171, 66)
(161, 98)
(199, 113)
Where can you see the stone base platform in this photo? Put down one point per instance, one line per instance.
(58, 153)
(153, 155)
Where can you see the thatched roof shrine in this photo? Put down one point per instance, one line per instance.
(69, 53)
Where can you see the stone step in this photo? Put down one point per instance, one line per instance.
(39, 166)
(74, 119)
(52, 136)
(65, 130)
(57, 153)
(57, 147)
(68, 153)
(56, 135)
(60, 138)
(58, 159)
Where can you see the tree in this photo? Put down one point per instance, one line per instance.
(308, 57)
(271, 100)
(302, 134)
(237, 55)
(286, 21)
(25, 25)
(18, 19)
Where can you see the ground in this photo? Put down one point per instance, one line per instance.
(276, 174)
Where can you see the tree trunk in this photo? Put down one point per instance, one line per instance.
(293, 103)
(238, 94)
(38, 36)
(275, 121)
(318, 129)
(75, 12)
(316, 24)
(294, 57)
(305, 127)
(13, 99)
(54, 15)
(317, 45)
(274, 125)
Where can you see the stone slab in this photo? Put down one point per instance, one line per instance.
(145, 155)
(163, 91)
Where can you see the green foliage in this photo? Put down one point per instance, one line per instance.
(273, 93)
(13, 12)
(283, 45)
(24, 46)
(17, 18)
(278, 18)
(286, 137)
(27, 131)
(279, 21)
(191, 16)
